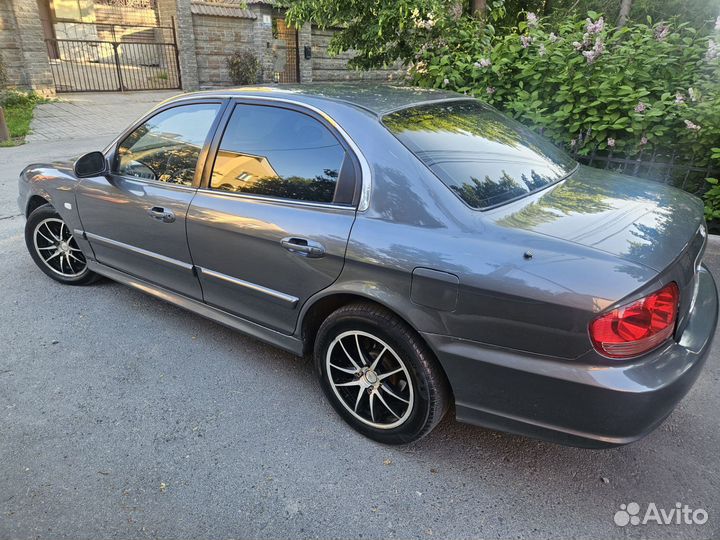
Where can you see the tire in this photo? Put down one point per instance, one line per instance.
(54, 250)
(395, 365)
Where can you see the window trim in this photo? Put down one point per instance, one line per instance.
(112, 155)
(300, 108)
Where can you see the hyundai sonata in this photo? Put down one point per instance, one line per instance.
(426, 249)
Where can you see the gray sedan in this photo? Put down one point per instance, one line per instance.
(427, 250)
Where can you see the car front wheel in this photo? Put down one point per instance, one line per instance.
(379, 375)
(53, 248)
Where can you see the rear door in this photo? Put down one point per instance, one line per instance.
(269, 226)
(134, 218)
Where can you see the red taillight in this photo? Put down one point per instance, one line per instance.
(639, 327)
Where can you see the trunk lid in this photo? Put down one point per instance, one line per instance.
(637, 220)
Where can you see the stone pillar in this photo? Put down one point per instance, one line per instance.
(262, 37)
(35, 72)
(180, 11)
(305, 40)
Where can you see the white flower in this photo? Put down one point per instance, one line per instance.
(532, 20)
(679, 99)
(483, 63)
(525, 41)
(611, 142)
(712, 51)
(717, 23)
(446, 82)
(541, 50)
(490, 90)
(691, 126)
(552, 38)
(692, 94)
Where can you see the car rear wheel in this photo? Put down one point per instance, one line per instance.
(379, 375)
(53, 248)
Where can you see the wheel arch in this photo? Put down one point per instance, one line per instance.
(317, 309)
(34, 202)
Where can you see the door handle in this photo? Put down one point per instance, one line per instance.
(303, 246)
(161, 214)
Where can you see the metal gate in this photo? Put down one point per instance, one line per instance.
(286, 67)
(115, 57)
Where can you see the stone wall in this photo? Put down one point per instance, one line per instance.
(22, 45)
(10, 52)
(216, 39)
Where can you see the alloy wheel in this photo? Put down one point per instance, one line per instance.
(57, 248)
(370, 379)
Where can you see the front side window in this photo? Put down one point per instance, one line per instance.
(278, 153)
(486, 158)
(166, 147)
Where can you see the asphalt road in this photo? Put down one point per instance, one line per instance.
(125, 417)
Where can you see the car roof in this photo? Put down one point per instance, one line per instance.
(377, 99)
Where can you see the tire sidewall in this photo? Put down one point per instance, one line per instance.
(39, 214)
(415, 424)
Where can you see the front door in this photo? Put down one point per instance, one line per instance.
(271, 227)
(134, 219)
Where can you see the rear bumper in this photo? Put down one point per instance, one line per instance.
(582, 402)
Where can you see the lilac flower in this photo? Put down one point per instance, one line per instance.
(483, 63)
(552, 38)
(679, 99)
(640, 107)
(490, 90)
(532, 20)
(643, 140)
(525, 41)
(691, 126)
(712, 51)
(661, 32)
(541, 50)
(595, 52)
(611, 142)
(595, 27)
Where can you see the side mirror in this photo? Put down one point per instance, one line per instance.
(92, 164)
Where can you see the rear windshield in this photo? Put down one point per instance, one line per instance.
(486, 158)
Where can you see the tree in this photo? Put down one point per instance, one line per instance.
(625, 7)
(478, 7)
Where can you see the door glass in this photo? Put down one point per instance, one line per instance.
(166, 147)
(279, 153)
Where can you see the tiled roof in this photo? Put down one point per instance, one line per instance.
(226, 8)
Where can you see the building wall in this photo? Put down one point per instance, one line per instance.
(10, 52)
(216, 39)
(22, 46)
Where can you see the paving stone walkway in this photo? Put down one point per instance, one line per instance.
(80, 115)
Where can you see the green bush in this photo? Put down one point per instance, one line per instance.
(586, 85)
(243, 68)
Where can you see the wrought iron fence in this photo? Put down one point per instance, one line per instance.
(686, 172)
(112, 57)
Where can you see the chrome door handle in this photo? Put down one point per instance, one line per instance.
(161, 214)
(303, 246)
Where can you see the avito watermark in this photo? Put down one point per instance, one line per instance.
(680, 514)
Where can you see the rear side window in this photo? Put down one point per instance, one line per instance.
(486, 158)
(166, 147)
(278, 153)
